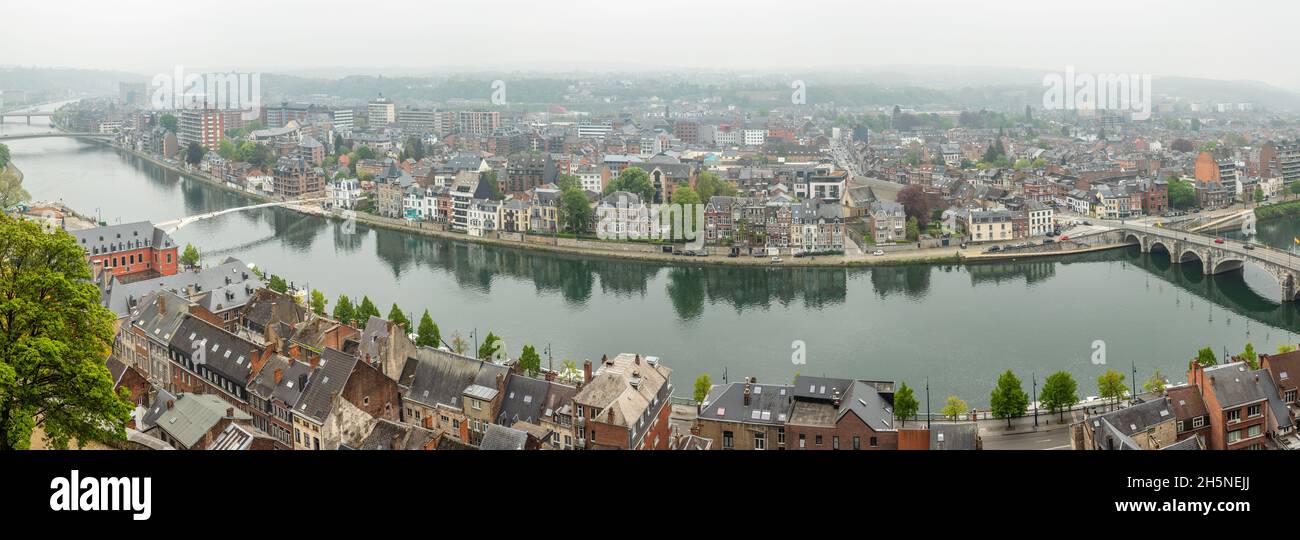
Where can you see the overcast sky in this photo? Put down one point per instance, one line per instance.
(1243, 39)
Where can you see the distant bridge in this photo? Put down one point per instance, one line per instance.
(28, 114)
(18, 136)
(175, 224)
(1215, 258)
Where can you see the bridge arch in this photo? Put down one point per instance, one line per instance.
(1191, 255)
(1160, 243)
(1229, 264)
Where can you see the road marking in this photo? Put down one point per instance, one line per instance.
(1059, 447)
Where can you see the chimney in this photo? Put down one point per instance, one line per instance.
(302, 381)
(428, 422)
(230, 412)
(550, 375)
(746, 394)
(610, 414)
(279, 375)
(835, 398)
(586, 371)
(637, 360)
(162, 302)
(170, 403)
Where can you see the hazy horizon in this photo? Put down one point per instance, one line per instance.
(1184, 39)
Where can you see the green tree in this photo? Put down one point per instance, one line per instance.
(194, 153)
(318, 302)
(488, 349)
(11, 189)
(458, 343)
(1205, 357)
(633, 180)
(278, 284)
(575, 210)
(1259, 195)
(226, 149)
(703, 384)
(428, 335)
(1182, 195)
(170, 122)
(343, 310)
(190, 257)
(1008, 398)
(4, 155)
(1250, 357)
(1283, 349)
(954, 407)
(568, 181)
(1155, 383)
(55, 338)
(1059, 393)
(530, 361)
(395, 315)
(685, 195)
(366, 310)
(905, 404)
(494, 186)
(913, 229)
(1110, 385)
(710, 185)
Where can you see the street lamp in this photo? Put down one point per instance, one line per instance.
(1035, 378)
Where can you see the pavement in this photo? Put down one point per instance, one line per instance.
(1050, 434)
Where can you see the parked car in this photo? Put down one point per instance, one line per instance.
(1248, 245)
(878, 252)
(776, 260)
(1048, 241)
(1218, 240)
(1064, 238)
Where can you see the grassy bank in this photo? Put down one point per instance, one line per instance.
(1289, 209)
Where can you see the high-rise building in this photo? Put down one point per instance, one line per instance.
(477, 123)
(344, 120)
(279, 115)
(204, 126)
(415, 121)
(381, 112)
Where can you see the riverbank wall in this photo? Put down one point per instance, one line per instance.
(578, 248)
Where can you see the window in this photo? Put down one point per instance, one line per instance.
(1197, 422)
(1254, 431)
(780, 435)
(818, 440)
(760, 442)
(835, 442)
(478, 405)
(873, 442)
(857, 442)
(1290, 396)
(1253, 411)
(1234, 415)
(803, 443)
(1234, 436)
(727, 442)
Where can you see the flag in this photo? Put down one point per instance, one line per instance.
(1296, 239)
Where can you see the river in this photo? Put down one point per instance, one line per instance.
(959, 326)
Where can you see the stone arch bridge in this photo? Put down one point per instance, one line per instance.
(1215, 258)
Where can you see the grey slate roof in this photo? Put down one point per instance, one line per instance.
(328, 381)
(118, 296)
(954, 436)
(223, 352)
(773, 403)
(865, 401)
(159, 319)
(530, 400)
(819, 388)
(1236, 385)
(193, 415)
(126, 236)
(503, 438)
(439, 377)
(292, 375)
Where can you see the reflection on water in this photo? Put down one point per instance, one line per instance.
(957, 325)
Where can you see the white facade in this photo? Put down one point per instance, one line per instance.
(755, 137)
(344, 192)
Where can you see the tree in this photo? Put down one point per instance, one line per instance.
(710, 185)
(458, 343)
(190, 257)
(488, 349)
(343, 310)
(1155, 383)
(194, 153)
(1250, 357)
(428, 335)
(633, 180)
(318, 302)
(913, 229)
(226, 149)
(954, 407)
(1295, 188)
(905, 404)
(1283, 349)
(170, 122)
(395, 315)
(1182, 195)
(915, 204)
(278, 284)
(494, 187)
(1259, 195)
(1059, 393)
(567, 181)
(575, 210)
(530, 361)
(55, 338)
(703, 384)
(366, 310)
(685, 195)
(1008, 398)
(11, 188)
(1205, 357)
(4, 155)
(413, 149)
(1110, 385)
